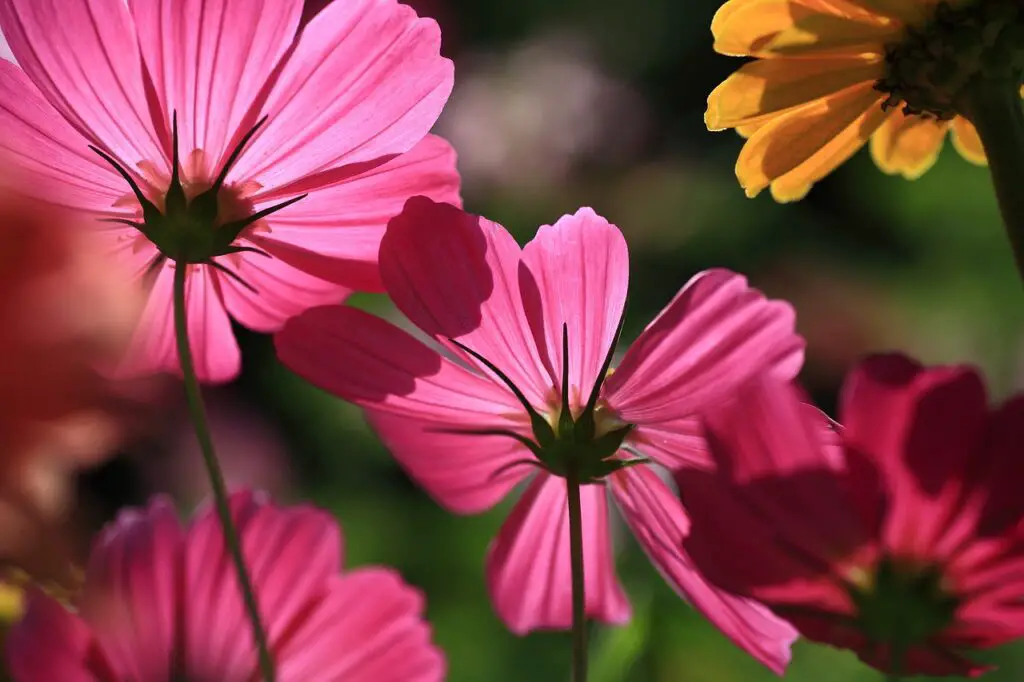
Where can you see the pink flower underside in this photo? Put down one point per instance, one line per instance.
(159, 596)
(922, 475)
(468, 280)
(349, 102)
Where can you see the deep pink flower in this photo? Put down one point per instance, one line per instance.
(348, 103)
(160, 603)
(898, 535)
(462, 277)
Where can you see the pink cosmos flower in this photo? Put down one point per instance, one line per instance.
(160, 604)
(337, 114)
(465, 282)
(897, 535)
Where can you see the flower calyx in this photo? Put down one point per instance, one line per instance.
(931, 68)
(192, 230)
(902, 605)
(582, 448)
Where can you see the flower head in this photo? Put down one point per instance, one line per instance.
(829, 75)
(522, 379)
(160, 604)
(214, 135)
(897, 535)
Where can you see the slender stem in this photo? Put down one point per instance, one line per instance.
(994, 107)
(220, 494)
(579, 614)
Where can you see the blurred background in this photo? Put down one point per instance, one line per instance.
(600, 103)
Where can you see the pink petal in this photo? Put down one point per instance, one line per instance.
(575, 273)
(51, 643)
(292, 554)
(335, 233)
(367, 627)
(209, 60)
(465, 474)
(672, 443)
(131, 590)
(660, 524)
(774, 520)
(214, 349)
(410, 393)
(528, 566)
(455, 275)
(366, 81)
(51, 155)
(84, 57)
(922, 429)
(281, 291)
(715, 334)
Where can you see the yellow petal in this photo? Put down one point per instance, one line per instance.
(906, 11)
(769, 86)
(807, 143)
(967, 142)
(795, 27)
(907, 145)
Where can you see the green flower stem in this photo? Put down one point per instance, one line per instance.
(220, 493)
(579, 614)
(994, 107)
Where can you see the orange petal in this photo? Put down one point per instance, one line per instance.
(905, 11)
(772, 85)
(794, 150)
(967, 142)
(907, 145)
(795, 27)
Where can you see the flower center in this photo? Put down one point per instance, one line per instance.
(195, 216)
(902, 604)
(928, 71)
(579, 445)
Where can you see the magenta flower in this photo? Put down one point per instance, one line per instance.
(897, 535)
(464, 427)
(336, 115)
(160, 604)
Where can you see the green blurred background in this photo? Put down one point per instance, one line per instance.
(600, 103)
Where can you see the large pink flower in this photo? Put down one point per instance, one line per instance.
(897, 535)
(160, 604)
(339, 111)
(464, 278)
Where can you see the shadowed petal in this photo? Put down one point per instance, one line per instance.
(84, 57)
(335, 233)
(714, 335)
(967, 142)
(768, 86)
(798, 27)
(457, 275)
(576, 273)
(209, 59)
(528, 567)
(411, 392)
(660, 525)
(365, 82)
(367, 627)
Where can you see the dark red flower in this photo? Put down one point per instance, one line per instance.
(898, 535)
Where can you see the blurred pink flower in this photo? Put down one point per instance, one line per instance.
(897, 535)
(347, 102)
(159, 604)
(466, 279)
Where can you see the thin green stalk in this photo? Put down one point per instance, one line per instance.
(994, 107)
(220, 494)
(579, 615)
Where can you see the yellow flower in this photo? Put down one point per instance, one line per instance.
(809, 99)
